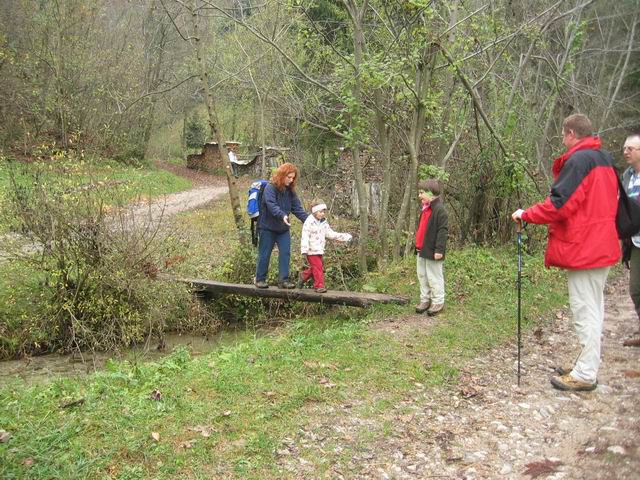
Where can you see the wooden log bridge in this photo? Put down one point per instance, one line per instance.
(331, 297)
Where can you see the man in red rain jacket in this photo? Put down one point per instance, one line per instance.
(581, 214)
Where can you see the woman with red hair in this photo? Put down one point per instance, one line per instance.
(279, 200)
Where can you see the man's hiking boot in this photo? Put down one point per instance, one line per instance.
(570, 384)
(286, 284)
(632, 342)
(261, 284)
(566, 370)
(321, 290)
(435, 309)
(423, 306)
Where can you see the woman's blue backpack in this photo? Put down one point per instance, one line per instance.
(253, 206)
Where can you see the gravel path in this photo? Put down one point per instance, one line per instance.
(206, 189)
(488, 427)
(168, 205)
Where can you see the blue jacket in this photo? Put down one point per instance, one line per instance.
(275, 205)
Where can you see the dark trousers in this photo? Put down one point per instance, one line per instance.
(268, 239)
(634, 278)
(315, 270)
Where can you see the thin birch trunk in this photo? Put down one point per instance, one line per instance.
(217, 134)
(623, 72)
(357, 18)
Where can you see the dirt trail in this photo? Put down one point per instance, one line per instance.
(206, 189)
(490, 428)
(168, 205)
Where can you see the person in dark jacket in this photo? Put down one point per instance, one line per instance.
(631, 184)
(431, 242)
(581, 214)
(279, 201)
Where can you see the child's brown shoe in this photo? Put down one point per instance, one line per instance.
(423, 306)
(435, 309)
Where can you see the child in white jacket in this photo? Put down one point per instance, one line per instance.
(315, 232)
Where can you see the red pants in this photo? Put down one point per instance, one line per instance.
(315, 270)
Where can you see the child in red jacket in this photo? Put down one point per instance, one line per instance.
(431, 241)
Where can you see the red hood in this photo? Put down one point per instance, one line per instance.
(586, 143)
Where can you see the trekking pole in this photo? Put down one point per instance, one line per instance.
(519, 227)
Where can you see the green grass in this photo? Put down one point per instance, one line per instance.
(211, 233)
(253, 395)
(249, 397)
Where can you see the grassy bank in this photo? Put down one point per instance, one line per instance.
(92, 187)
(135, 181)
(226, 414)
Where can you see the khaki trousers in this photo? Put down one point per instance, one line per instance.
(634, 278)
(586, 297)
(431, 279)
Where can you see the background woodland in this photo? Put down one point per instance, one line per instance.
(472, 92)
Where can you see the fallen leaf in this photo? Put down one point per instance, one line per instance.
(155, 436)
(329, 365)
(539, 334)
(269, 394)
(468, 392)
(4, 436)
(155, 395)
(73, 403)
(631, 373)
(203, 430)
(187, 444)
(545, 467)
(226, 413)
(326, 383)
(27, 462)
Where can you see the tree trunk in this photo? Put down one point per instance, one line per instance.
(385, 147)
(217, 135)
(623, 71)
(402, 217)
(552, 100)
(59, 69)
(357, 18)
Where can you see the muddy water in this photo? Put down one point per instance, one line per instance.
(45, 368)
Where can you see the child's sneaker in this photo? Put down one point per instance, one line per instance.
(321, 290)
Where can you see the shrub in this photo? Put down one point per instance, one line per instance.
(95, 263)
